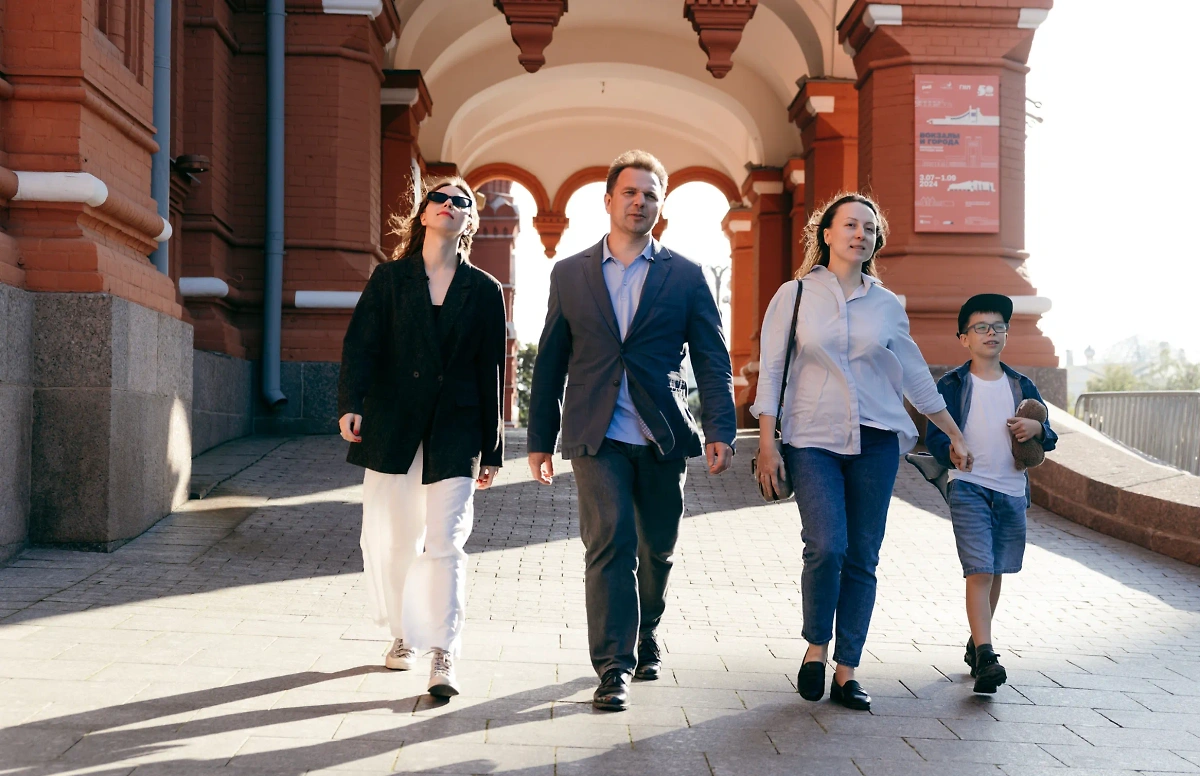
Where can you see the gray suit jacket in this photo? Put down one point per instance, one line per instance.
(581, 346)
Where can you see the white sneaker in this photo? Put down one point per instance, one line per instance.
(400, 657)
(443, 683)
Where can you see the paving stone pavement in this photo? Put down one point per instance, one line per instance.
(230, 639)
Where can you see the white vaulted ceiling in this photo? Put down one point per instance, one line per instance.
(618, 74)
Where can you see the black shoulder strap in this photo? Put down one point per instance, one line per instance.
(787, 359)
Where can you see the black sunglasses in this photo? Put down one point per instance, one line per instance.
(462, 203)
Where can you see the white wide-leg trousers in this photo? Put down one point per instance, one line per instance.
(414, 563)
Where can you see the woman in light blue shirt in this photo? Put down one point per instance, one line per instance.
(844, 427)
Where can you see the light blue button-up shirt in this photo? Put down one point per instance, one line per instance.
(625, 290)
(854, 363)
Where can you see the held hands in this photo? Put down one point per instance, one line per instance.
(960, 456)
(350, 426)
(1024, 429)
(541, 465)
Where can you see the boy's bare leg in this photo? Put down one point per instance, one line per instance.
(995, 596)
(983, 594)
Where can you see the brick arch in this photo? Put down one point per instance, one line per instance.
(576, 182)
(511, 172)
(716, 178)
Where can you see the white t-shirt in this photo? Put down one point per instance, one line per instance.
(989, 440)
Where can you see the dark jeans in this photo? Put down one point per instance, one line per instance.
(843, 501)
(630, 505)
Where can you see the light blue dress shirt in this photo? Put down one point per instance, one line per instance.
(625, 286)
(854, 363)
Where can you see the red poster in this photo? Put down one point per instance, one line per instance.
(957, 153)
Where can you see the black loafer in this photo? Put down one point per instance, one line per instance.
(613, 692)
(810, 682)
(649, 662)
(988, 673)
(851, 695)
(969, 655)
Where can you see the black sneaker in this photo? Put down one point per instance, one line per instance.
(969, 657)
(988, 673)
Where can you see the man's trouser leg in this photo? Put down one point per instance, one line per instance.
(608, 528)
(658, 508)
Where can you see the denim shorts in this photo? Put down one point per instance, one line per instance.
(989, 528)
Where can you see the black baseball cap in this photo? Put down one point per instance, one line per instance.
(984, 303)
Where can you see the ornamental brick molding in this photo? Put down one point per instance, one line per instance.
(550, 228)
(719, 23)
(532, 24)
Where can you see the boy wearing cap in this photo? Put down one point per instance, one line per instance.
(989, 497)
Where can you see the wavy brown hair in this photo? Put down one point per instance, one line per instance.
(816, 250)
(411, 232)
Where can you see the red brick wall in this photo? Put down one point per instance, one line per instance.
(76, 106)
(937, 272)
(332, 218)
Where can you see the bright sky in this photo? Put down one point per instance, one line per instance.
(1111, 173)
(1119, 127)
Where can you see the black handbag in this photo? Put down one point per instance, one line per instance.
(785, 486)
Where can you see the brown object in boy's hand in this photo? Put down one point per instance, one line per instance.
(1029, 453)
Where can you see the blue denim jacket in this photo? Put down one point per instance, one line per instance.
(956, 390)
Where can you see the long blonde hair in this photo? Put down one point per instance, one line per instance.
(816, 250)
(411, 232)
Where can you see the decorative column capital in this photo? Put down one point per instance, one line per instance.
(824, 108)
(994, 29)
(406, 88)
(532, 24)
(738, 219)
(719, 24)
(762, 182)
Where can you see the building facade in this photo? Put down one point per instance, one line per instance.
(149, 312)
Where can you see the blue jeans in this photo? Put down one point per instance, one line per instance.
(843, 501)
(989, 528)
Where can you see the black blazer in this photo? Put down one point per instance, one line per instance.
(414, 380)
(581, 346)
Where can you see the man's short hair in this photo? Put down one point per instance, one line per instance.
(984, 303)
(639, 160)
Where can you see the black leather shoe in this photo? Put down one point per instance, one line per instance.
(988, 672)
(810, 682)
(613, 692)
(969, 655)
(851, 695)
(649, 660)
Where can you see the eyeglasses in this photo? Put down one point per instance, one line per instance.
(984, 328)
(462, 203)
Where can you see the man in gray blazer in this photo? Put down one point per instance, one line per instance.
(621, 316)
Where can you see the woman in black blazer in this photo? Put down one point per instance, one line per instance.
(419, 399)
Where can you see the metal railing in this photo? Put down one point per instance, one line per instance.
(1164, 425)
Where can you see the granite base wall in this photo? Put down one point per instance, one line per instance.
(311, 388)
(112, 400)
(223, 399)
(16, 417)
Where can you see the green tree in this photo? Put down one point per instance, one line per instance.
(525, 358)
(1116, 377)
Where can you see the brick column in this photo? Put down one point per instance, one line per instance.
(406, 103)
(738, 226)
(493, 251)
(95, 362)
(770, 216)
(794, 177)
(826, 112)
(893, 44)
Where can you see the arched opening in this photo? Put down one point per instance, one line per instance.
(694, 211)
